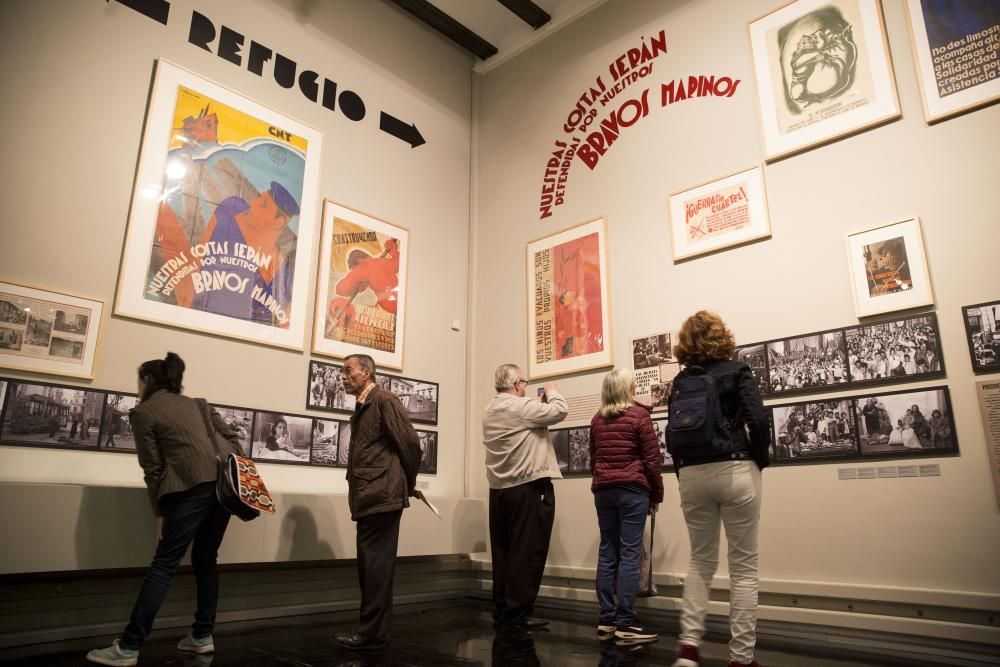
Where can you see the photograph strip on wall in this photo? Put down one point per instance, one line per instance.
(982, 333)
(325, 391)
(223, 218)
(887, 425)
(955, 49)
(823, 72)
(890, 351)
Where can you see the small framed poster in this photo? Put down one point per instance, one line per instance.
(889, 268)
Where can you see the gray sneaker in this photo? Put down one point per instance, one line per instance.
(194, 644)
(114, 655)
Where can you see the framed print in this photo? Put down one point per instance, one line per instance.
(116, 434)
(816, 362)
(982, 333)
(812, 430)
(907, 423)
(361, 287)
(240, 420)
(823, 72)
(428, 452)
(45, 415)
(889, 269)
(902, 350)
(326, 389)
(719, 214)
(48, 332)
(569, 308)
(655, 367)
(324, 442)
(223, 216)
(755, 356)
(955, 52)
(660, 428)
(281, 438)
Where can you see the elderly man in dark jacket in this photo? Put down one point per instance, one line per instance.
(382, 469)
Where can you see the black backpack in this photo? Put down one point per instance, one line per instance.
(697, 428)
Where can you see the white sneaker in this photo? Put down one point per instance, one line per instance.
(193, 644)
(635, 633)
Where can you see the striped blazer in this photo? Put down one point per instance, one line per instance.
(173, 446)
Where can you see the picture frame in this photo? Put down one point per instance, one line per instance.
(325, 391)
(754, 355)
(428, 452)
(654, 367)
(815, 430)
(982, 334)
(572, 448)
(419, 397)
(888, 268)
(718, 214)
(323, 448)
(569, 307)
(944, 42)
(903, 437)
(223, 216)
(240, 420)
(910, 346)
(280, 437)
(45, 331)
(361, 287)
(42, 414)
(325, 388)
(805, 101)
(660, 429)
(116, 431)
(814, 362)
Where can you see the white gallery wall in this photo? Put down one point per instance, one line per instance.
(78, 76)
(884, 538)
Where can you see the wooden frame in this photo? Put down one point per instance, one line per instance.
(888, 268)
(854, 88)
(35, 315)
(721, 213)
(576, 335)
(376, 286)
(223, 216)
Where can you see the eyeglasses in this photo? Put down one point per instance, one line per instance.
(521, 381)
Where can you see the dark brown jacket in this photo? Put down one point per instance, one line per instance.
(173, 446)
(384, 456)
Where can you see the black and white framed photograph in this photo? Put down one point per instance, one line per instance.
(46, 415)
(428, 452)
(813, 362)
(281, 438)
(419, 397)
(324, 442)
(755, 356)
(560, 443)
(907, 423)
(326, 388)
(343, 444)
(898, 350)
(660, 428)
(116, 436)
(654, 365)
(813, 430)
(240, 420)
(659, 393)
(982, 333)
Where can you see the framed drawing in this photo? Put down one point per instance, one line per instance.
(223, 215)
(823, 71)
(361, 287)
(48, 332)
(982, 333)
(889, 269)
(569, 308)
(955, 51)
(719, 214)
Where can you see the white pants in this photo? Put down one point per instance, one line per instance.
(729, 491)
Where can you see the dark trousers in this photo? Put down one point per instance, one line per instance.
(378, 538)
(621, 516)
(520, 527)
(192, 516)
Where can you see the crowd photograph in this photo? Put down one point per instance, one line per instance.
(813, 430)
(891, 350)
(806, 362)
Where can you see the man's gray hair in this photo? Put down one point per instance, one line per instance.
(506, 377)
(364, 361)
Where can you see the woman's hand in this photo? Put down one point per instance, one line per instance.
(653, 507)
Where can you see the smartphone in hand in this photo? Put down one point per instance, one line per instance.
(541, 395)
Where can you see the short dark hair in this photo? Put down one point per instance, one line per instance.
(365, 361)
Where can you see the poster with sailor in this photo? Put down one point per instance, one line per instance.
(361, 290)
(223, 215)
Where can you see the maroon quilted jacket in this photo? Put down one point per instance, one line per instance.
(624, 451)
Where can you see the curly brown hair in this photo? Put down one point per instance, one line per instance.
(704, 337)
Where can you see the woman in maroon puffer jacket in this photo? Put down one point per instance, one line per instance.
(625, 465)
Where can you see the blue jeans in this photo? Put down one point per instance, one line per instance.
(621, 515)
(188, 516)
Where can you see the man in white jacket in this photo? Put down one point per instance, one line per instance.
(520, 466)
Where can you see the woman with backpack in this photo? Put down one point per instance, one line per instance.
(627, 486)
(718, 435)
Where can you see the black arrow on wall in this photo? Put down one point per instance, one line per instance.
(408, 132)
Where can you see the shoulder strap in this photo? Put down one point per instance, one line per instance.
(209, 429)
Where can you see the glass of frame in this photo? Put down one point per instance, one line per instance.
(361, 287)
(889, 268)
(982, 333)
(823, 72)
(281, 438)
(428, 452)
(569, 308)
(48, 332)
(223, 216)
(719, 214)
(46, 415)
(955, 58)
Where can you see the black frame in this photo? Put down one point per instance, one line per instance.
(104, 422)
(4, 437)
(379, 377)
(336, 444)
(977, 367)
(429, 463)
(258, 422)
(561, 445)
(253, 420)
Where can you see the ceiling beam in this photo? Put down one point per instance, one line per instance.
(528, 12)
(448, 27)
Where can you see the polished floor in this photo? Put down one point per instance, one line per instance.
(460, 635)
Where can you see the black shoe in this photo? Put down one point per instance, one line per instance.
(532, 623)
(357, 642)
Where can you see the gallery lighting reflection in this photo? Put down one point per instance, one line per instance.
(176, 170)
